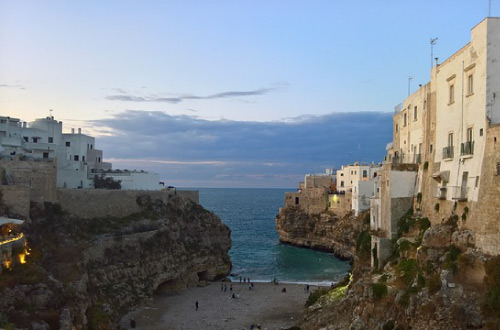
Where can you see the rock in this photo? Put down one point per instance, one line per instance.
(357, 324)
(437, 237)
(463, 239)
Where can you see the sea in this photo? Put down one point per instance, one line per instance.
(256, 251)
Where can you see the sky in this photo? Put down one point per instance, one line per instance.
(226, 93)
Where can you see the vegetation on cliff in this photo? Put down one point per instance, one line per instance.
(432, 280)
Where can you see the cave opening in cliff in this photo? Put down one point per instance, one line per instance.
(203, 276)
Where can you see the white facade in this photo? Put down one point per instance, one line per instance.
(349, 175)
(466, 85)
(77, 158)
(136, 180)
(362, 191)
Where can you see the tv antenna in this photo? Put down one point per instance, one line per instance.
(433, 42)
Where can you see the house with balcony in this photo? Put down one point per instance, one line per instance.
(445, 146)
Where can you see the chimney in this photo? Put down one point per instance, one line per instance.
(436, 59)
(72, 131)
(79, 131)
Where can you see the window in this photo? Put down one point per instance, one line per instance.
(35, 140)
(83, 158)
(404, 119)
(365, 174)
(470, 85)
(45, 155)
(51, 139)
(450, 140)
(451, 94)
(341, 183)
(430, 148)
(415, 117)
(341, 174)
(481, 132)
(26, 138)
(68, 144)
(469, 134)
(76, 157)
(397, 128)
(3, 121)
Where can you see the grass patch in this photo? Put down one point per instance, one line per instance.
(379, 290)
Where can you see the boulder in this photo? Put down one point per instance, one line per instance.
(438, 237)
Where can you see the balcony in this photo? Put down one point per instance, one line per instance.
(459, 193)
(405, 159)
(448, 152)
(467, 148)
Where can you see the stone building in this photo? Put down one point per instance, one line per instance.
(445, 137)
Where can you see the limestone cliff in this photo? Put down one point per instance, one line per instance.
(85, 273)
(325, 231)
(433, 280)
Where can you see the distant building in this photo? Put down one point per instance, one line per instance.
(78, 161)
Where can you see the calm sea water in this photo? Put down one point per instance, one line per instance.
(256, 251)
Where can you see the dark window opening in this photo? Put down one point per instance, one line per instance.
(45, 155)
(68, 144)
(76, 157)
(51, 140)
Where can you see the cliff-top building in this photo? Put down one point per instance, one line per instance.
(78, 161)
(444, 147)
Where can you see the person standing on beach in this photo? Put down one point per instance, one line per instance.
(231, 288)
(196, 304)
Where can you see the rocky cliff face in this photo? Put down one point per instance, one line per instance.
(86, 273)
(325, 231)
(433, 280)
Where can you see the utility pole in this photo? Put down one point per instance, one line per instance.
(433, 42)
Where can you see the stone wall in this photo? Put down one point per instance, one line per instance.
(340, 204)
(313, 200)
(40, 176)
(484, 215)
(95, 203)
(16, 199)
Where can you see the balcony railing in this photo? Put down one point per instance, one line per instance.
(405, 159)
(467, 148)
(459, 193)
(448, 152)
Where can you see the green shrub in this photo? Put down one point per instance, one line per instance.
(424, 224)
(436, 207)
(404, 246)
(314, 296)
(363, 243)
(464, 216)
(379, 290)
(434, 283)
(419, 198)
(407, 269)
(426, 166)
(406, 222)
(451, 258)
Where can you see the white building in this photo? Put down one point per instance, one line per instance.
(75, 153)
(466, 87)
(349, 175)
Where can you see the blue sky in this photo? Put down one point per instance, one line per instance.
(221, 69)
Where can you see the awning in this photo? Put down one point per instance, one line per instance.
(441, 176)
(5, 220)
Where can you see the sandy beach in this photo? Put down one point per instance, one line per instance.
(265, 304)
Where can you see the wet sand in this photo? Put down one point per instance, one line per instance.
(265, 304)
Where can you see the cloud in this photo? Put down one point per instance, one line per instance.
(178, 99)
(198, 152)
(12, 86)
